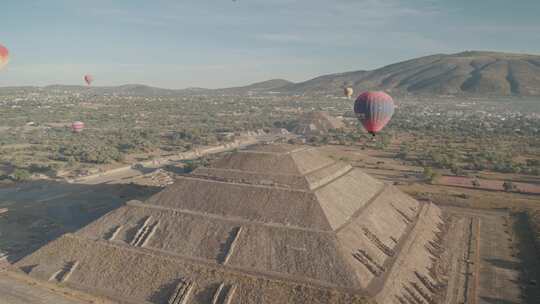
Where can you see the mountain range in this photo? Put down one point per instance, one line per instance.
(474, 73)
(467, 73)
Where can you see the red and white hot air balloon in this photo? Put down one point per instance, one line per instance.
(374, 110)
(88, 79)
(4, 56)
(77, 126)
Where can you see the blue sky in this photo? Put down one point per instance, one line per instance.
(221, 43)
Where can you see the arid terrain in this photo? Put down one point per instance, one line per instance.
(270, 152)
(488, 257)
(492, 244)
(443, 206)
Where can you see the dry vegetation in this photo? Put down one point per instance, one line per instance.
(450, 135)
(534, 222)
(450, 151)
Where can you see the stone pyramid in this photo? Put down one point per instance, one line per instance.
(317, 123)
(273, 224)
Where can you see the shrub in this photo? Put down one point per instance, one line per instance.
(21, 175)
(430, 175)
(508, 186)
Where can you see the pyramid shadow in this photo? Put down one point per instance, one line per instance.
(41, 211)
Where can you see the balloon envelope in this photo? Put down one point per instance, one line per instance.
(374, 110)
(77, 126)
(4, 56)
(348, 92)
(88, 79)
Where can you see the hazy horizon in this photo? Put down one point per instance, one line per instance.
(234, 43)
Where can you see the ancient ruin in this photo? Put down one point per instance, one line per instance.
(317, 123)
(271, 224)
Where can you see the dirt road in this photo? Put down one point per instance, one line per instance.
(128, 172)
(492, 269)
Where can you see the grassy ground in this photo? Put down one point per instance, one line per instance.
(383, 165)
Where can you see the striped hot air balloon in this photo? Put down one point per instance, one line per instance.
(88, 79)
(374, 110)
(77, 126)
(4, 56)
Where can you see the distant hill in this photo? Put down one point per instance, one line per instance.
(468, 73)
(123, 90)
(138, 90)
(327, 84)
(144, 90)
(474, 73)
(258, 87)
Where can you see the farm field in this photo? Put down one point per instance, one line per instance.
(501, 262)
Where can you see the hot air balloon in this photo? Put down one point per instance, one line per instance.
(374, 110)
(77, 126)
(348, 91)
(88, 79)
(4, 56)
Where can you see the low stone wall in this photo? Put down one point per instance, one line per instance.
(196, 153)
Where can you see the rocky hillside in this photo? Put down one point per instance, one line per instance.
(471, 73)
(144, 90)
(259, 87)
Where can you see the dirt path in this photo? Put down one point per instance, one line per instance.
(472, 261)
(491, 260)
(486, 184)
(528, 254)
(499, 269)
(126, 172)
(454, 259)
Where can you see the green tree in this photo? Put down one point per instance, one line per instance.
(189, 167)
(508, 186)
(430, 175)
(403, 152)
(533, 162)
(21, 175)
(71, 161)
(456, 170)
(428, 171)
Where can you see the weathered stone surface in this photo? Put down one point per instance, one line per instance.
(275, 224)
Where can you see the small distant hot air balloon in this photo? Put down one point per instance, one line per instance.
(77, 126)
(88, 79)
(348, 91)
(4, 56)
(374, 110)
